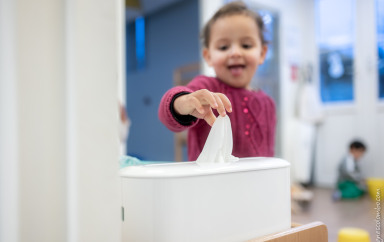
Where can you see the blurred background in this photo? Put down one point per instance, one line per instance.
(81, 80)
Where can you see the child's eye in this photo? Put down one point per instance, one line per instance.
(247, 46)
(224, 47)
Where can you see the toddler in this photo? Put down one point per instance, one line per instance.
(350, 183)
(234, 46)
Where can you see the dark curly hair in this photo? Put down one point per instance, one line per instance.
(230, 9)
(358, 145)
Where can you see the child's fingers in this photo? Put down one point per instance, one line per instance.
(225, 100)
(206, 97)
(197, 105)
(202, 101)
(210, 118)
(220, 107)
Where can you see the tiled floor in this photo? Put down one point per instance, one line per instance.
(360, 213)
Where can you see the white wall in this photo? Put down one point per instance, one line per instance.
(93, 60)
(59, 69)
(39, 61)
(9, 197)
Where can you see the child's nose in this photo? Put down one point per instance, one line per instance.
(235, 51)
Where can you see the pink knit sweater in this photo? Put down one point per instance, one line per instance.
(253, 119)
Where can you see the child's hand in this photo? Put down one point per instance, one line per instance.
(200, 104)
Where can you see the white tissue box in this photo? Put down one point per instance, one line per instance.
(181, 201)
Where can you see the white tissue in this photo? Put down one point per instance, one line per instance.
(218, 147)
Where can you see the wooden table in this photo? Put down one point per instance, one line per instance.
(313, 232)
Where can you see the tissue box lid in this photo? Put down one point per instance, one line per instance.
(187, 169)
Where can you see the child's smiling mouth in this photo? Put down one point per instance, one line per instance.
(236, 70)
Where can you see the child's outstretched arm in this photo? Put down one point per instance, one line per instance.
(181, 106)
(200, 104)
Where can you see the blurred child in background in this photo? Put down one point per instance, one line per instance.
(350, 182)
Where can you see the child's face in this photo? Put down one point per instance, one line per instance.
(235, 50)
(357, 153)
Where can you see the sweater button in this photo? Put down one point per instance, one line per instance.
(245, 110)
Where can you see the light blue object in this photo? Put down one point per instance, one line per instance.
(125, 161)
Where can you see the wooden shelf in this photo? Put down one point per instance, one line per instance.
(314, 232)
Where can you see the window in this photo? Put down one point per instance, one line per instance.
(136, 56)
(140, 43)
(380, 44)
(335, 28)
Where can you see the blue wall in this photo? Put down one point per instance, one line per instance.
(172, 40)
